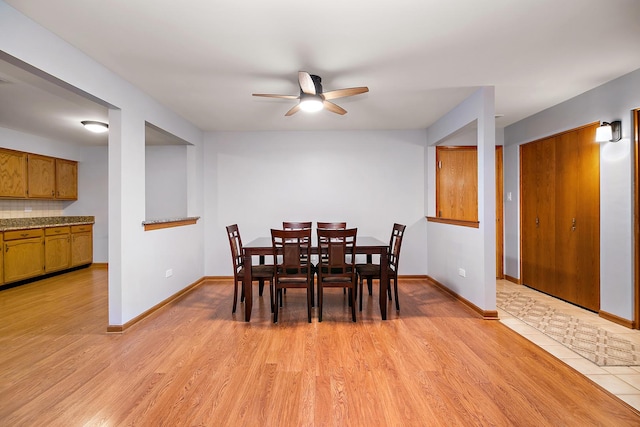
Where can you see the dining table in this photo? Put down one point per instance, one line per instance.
(365, 245)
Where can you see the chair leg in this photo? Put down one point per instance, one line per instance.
(312, 291)
(395, 289)
(309, 294)
(260, 287)
(353, 303)
(319, 301)
(278, 294)
(361, 291)
(271, 294)
(370, 285)
(235, 296)
(242, 292)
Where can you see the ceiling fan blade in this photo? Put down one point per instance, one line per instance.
(334, 108)
(341, 93)
(306, 83)
(270, 95)
(293, 110)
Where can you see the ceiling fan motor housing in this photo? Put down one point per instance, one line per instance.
(317, 82)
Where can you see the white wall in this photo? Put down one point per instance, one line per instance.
(370, 179)
(611, 101)
(453, 247)
(138, 260)
(166, 181)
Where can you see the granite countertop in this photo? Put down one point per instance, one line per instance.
(8, 224)
(165, 220)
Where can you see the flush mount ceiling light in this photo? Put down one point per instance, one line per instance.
(609, 132)
(93, 126)
(311, 103)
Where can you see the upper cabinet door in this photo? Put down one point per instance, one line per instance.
(66, 179)
(457, 183)
(42, 176)
(13, 174)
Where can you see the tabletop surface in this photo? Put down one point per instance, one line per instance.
(361, 241)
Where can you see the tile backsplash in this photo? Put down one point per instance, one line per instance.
(30, 208)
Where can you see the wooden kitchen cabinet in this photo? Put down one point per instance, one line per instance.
(23, 254)
(57, 248)
(66, 179)
(27, 175)
(81, 245)
(41, 176)
(1, 259)
(13, 174)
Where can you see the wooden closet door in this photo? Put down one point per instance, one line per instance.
(568, 178)
(538, 214)
(578, 218)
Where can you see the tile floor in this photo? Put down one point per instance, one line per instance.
(622, 381)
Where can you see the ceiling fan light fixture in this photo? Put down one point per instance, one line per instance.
(96, 127)
(311, 103)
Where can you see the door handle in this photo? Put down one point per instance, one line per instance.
(537, 222)
(573, 225)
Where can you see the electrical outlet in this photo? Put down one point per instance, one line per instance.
(461, 272)
(168, 273)
(509, 198)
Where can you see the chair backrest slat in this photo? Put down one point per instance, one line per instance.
(296, 225)
(332, 225)
(394, 245)
(291, 252)
(235, 242)
(338, 250)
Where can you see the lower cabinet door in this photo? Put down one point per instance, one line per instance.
(57, 253)
(81, 248)
(23, 259)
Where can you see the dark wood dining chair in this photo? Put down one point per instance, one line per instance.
(371, 270)
(330, 225)
(336, 266)
(258, 272)
(301, 225)
(290, 249)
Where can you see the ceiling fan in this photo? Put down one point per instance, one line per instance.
(312, 98)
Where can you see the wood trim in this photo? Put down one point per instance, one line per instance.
(486, 314)
(155, 308)
(636, 217)
(617, 319)
(169, 224)
(499, 212)
(217, 278)
(459, 222)
(100, 265)
(512, 279)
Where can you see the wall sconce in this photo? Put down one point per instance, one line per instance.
(93, 126)
(611, 132)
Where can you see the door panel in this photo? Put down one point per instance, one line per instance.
(560, 221)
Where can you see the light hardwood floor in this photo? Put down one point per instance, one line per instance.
(193, 363)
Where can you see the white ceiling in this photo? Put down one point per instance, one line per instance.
(204, 58)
